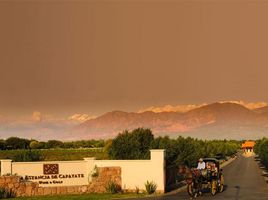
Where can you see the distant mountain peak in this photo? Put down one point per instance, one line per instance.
(262, 109)
(187, 107)
(218, 117)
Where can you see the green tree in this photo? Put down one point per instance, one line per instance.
(189, 151)
(108, 145)
(262, 151)
(2, 144)
(17, 143)
(34, 144)
(42, 145)
(170, 145)
(132, 145)
(54, 144)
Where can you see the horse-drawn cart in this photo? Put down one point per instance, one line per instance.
(210, 178)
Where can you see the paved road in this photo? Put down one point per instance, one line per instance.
(243, 180)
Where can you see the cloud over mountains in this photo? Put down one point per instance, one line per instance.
(81, 117)
(249, 105)
(170, 108)
(40, 125)
(188, 107)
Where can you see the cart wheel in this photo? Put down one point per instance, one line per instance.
(222, 183)
(213, 187)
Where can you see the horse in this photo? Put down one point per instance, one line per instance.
(193, 179)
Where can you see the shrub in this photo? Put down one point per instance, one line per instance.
(6, 193)
(150, 187)
(113, 187)
(131, 145)
(28, 156)
(137, 190)
(95, 172)
(263, 152)
(53, 144)
(34, 145)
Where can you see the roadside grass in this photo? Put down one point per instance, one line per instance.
(85, 196)
(59, 154)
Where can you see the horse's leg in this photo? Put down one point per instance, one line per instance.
(199, 185)
(196, 187)
(200, 188)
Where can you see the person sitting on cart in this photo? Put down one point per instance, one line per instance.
(212, 167)
(208, 165)
(201, 164)
(201, 167)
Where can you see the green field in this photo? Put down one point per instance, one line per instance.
(85, 196)
(58, 154)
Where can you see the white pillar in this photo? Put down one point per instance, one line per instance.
(158, 161)
(6, 167)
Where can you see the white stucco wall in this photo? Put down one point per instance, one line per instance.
(70, 173)
(134, 172)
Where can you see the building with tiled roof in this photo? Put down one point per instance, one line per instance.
(248, 146)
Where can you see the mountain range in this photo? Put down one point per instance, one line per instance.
(230, 120)
(213, 121)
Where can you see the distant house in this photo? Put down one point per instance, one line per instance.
(248, 146)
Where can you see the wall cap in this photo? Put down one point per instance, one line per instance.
(49, 162)
(90, 158)
(157, 150)
(5, 160)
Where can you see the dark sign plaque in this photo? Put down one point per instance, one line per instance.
(51, 168)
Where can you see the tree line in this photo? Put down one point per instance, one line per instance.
(136, 144)
(261, 149)
(14, 143)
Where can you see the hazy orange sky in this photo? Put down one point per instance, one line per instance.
(64, 57)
